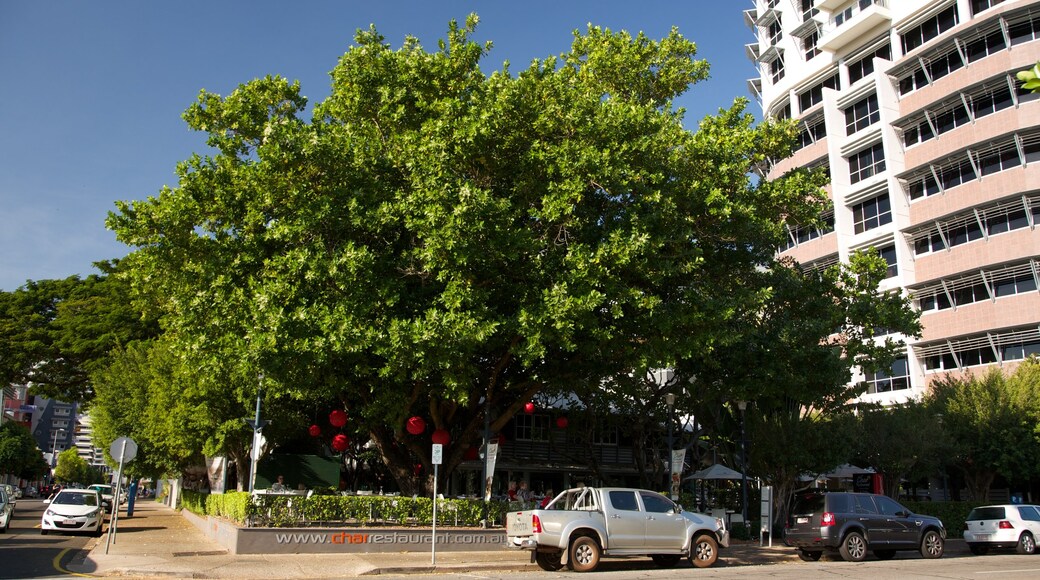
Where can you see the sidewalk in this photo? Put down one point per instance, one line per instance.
(158, 541)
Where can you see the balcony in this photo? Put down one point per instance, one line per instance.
(853, 22)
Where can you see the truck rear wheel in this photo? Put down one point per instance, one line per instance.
(549, 561)
(705, 551)
(585, 554)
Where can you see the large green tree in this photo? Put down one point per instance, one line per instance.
(436, 240)
(19, 455)
(991, 422)
(56, 332)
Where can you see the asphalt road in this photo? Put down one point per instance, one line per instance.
(24, 553)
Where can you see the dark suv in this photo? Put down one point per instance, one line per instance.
(853, 523)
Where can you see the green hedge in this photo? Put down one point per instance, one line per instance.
(280, 511)
(952, 513)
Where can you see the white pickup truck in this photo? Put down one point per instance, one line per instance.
(582, 525)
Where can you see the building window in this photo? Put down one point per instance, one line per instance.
(929, 29)
(1020, 350)
(872, 213)
(776, 69)
(1026, 31)
(888, 253)
(815, 94)
(812, 131)
(895, 378)
(866, 163)
(532, 427)
(809, 44)
(808, 11)
(801, 234)
(980, 5)
(865, 66)
(776, 32)
(862, 114)
(607, 436)
(982, 47)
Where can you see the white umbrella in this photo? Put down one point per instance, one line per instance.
(715, 471)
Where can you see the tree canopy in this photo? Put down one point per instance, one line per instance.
(435, 239)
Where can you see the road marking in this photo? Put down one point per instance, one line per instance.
(57, 565)
(1009, 571)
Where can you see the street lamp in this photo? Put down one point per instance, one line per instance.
(742, 405)
(670, 400)
(54, 447)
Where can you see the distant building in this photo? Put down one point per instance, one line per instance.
(914, 109)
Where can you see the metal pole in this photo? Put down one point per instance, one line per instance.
(433, 537)
(257, 427)
(487, 443)
(743, 460)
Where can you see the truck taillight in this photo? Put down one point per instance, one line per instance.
(1005, 525)
(536, 524)
(827, 519)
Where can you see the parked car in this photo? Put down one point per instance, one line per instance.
(106, 492)
(6, 510)
(10, 490)
(854, 523)
(73, 510)
(582, 525)
(1003, 526)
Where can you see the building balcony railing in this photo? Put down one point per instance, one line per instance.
(853, 22)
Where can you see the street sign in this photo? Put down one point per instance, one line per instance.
(123, 449)
(437, 456)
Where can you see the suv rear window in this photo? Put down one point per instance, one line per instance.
(986, 513)
(808, 503)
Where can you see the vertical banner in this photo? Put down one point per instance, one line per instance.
(492, 454)
(678, 459)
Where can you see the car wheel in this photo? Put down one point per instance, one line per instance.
(585, 554)
(932, 545)
(978, 550)
(43, 532)
(810, 555)
(705, 551)
(1026, 544)
(885, 554)
(853, 547)
(549, 561)
(666, 560)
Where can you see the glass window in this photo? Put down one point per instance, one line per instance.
(865, 66)
(862, 114)
(872, 213)
(888, 506)
(866, 163)
(656, 503)
(776, 69)
(929, 29)
(889, 255)
(624, 500)
(865, 504)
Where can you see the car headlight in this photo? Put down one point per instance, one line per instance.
(93, 514)
(49, 513)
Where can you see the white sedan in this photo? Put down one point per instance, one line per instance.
(1003, 526)
(6, 510)
(73, 510)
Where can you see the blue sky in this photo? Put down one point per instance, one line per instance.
(91, 92)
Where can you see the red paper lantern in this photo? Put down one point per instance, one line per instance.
(416, 425)
(528, 408)
(441, 437)
(340, 442)
(472, 453)
(418, 468)
(561, 422)
(501, 439)
(338, 418)
(314, 430)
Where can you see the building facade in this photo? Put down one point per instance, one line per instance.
(934, 156)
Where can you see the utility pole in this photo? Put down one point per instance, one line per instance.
(258, 425)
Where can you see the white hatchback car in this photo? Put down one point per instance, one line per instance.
(73, 510)
(1003, 526)
(6, 510)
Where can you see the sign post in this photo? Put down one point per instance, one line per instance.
(123, 450)
(766, 509)
(436, 456)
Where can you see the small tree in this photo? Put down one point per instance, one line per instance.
(71, 468)
(19, 455)
(899, 442)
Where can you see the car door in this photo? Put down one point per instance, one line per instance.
(626, 524)
(665, 525)
(901, 530)
(863, 509)
(1030, 516)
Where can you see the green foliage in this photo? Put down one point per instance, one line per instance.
(57, 331)
(323, 510)
(952, 514)
(991, 423)
(19, 455)
(71, 468)
(1030, 78)
(890, 440)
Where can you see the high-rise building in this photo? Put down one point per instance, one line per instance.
(934, 156)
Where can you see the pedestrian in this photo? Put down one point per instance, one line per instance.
(279, 486)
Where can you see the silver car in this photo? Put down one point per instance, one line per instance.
(1003, 526)
(6, 510)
